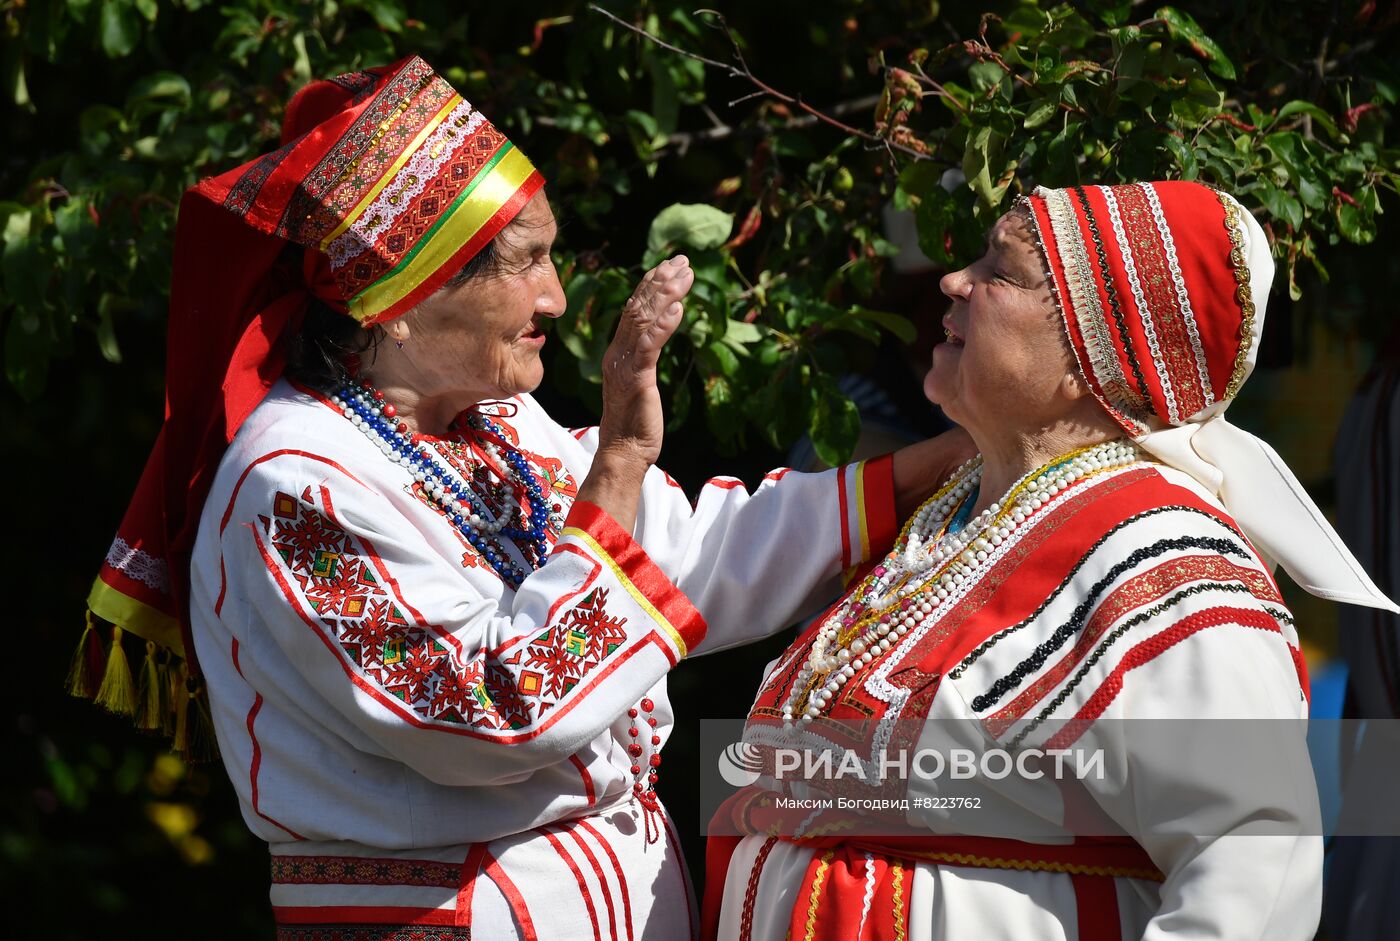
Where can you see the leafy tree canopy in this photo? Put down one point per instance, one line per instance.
(664, 128)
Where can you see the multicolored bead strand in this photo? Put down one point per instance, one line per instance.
(366, 408)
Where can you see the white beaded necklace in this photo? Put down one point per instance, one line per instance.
(926, 566)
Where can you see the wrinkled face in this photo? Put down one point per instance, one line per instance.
(1005, 365)
(481, 339)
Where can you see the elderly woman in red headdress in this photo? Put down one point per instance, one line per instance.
(1102, 567)
(433, 626)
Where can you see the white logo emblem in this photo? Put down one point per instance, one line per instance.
(740, 764)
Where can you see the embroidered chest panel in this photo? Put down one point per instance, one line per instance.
(368, 619)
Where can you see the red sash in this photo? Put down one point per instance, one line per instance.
(832, 901)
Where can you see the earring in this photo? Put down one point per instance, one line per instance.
(399, 344)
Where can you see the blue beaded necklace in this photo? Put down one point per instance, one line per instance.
(365, 407)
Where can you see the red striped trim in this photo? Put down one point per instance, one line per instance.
(256, 763)
(725, 483)
(471, 869)
(586, 777)
(686, 888)
(617, 868)
(1041, 559)
(514, 899)
(578, 877)
(1147, 651)
(602, 881)
(362, 914)
(640, 570)
(283, 452)
(881, 520)
(1134, 594)
(1300, 666)
(1096, 905)
(223, 588)
(779, 474)
(845, 514)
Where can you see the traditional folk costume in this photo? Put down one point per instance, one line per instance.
(1127, 581)
(436, 678)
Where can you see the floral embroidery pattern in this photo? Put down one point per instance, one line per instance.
(416, 663)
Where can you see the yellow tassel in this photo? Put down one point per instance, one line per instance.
(164, 669)
(148, 693)
(82, 677)
(180, 702)
(201, 744)
(116, 694)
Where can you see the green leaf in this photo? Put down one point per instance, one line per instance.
(389, 16)
(119, 29)
(896, 324)
(1185, 156)
(933, 220)
(981, 159)
(1041, 113)
(1280, 205)
(665, 99)
(106, 331)
(694, 225)
(1312, 194)
(1354, 225)
(168, 88)
(1320, 117)
(1183, 27)
(916, 181)
(721, 359)
(985, 74)
(743, 333)
(26, 357)
(835, 424)
(15, 82)
(680, 406)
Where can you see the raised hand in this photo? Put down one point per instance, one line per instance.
(629, 435)
(633, 421)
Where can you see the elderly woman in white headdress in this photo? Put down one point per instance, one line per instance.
(1106, 557)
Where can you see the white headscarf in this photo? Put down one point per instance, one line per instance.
(1243, 472)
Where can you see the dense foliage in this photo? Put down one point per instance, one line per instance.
(772, 165)
(787, 242)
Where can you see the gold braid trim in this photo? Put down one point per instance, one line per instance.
(815, 897)
(897, 878)
(1035, 865)
(1243, 293)
(1085, 307)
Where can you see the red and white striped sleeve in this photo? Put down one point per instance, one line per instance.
(754, 563)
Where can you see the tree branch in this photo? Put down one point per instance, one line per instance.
(682, 140)
(739, 69)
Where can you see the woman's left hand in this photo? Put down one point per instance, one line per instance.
(920, 469)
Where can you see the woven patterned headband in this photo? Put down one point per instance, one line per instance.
(391, 178)
(1157, 294)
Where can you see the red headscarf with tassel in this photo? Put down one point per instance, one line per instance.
(390, 181)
